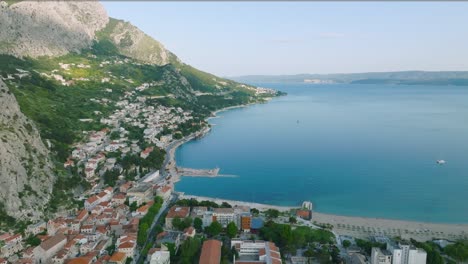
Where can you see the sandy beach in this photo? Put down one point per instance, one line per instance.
(362, 227)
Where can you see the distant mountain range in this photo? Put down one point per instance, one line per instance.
(403, 77)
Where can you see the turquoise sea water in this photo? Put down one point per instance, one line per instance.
(361, 150)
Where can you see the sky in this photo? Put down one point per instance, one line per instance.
(276, 38)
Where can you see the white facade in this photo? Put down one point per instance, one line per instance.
(379, 256)
(417, 256)
(160, 257)
(224, 216)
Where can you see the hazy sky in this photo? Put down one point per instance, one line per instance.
(244, 38)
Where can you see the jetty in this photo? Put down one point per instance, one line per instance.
(198, 172)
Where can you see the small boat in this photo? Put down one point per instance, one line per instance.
(441, 162)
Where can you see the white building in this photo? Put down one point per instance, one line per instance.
(417, 256)
(404, 253)
(256, 251)
(224, 216)
(397, 253)
(160, 257)
(380, 256)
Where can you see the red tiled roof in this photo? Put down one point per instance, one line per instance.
(152, 250)
(12, 237)
(119, 196)
(51, 242)
(117, 257)
(92, 199)
(83, 213)
(143, 209)
(127, 245)
(166, 188)
(178, 211)
(211, 252)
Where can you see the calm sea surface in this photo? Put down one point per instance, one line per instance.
(360, 150)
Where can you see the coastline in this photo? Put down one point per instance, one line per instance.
(169, 164)
(360, 227)
(364, 227)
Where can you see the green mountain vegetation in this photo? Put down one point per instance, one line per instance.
(69, 94)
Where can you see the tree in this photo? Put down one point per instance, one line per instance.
(272, 213)
(458, 251)
(198, 224)
(133, 207)
(292, 220)
(142, 233)
(181, 224)
(254, 211)
(225, 205)
(346, 243)
(214, 229)
(33, 241)
(189, 250)
(231, 230)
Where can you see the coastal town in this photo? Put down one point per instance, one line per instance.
(131, 212)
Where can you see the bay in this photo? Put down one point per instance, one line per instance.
(358, 150)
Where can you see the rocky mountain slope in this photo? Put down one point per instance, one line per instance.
(49, 28)
(134, 43)
(26, 177)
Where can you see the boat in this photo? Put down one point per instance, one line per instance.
(441, 162)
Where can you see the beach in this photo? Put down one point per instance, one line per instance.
(361, 227)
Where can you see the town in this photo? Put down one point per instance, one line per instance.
(132, 214)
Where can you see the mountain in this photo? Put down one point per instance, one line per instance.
(403, 77)
(68, 70)
(26, 174)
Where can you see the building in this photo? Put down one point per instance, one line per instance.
(144, 191)
(36, 228)
(125, 187)
(160, 256)
(245, 222)
(224, 216)
(304, 214)
(49, 247)
(211, 252)
(307, 205)
(128, 248)
(118, 258)
(176, 212)
(404, 253)
(357, 258)
(256, 224)
(417, 256)
(145, 153)
(164, 192)
(256, 251)
(397, 253)
(380, 256)
(91, 202)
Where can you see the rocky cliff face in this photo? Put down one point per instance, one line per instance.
(134, 43)
(26, 177)
(43, 28)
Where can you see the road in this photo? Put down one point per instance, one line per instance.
(152, 232)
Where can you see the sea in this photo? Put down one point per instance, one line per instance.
(351, 149)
